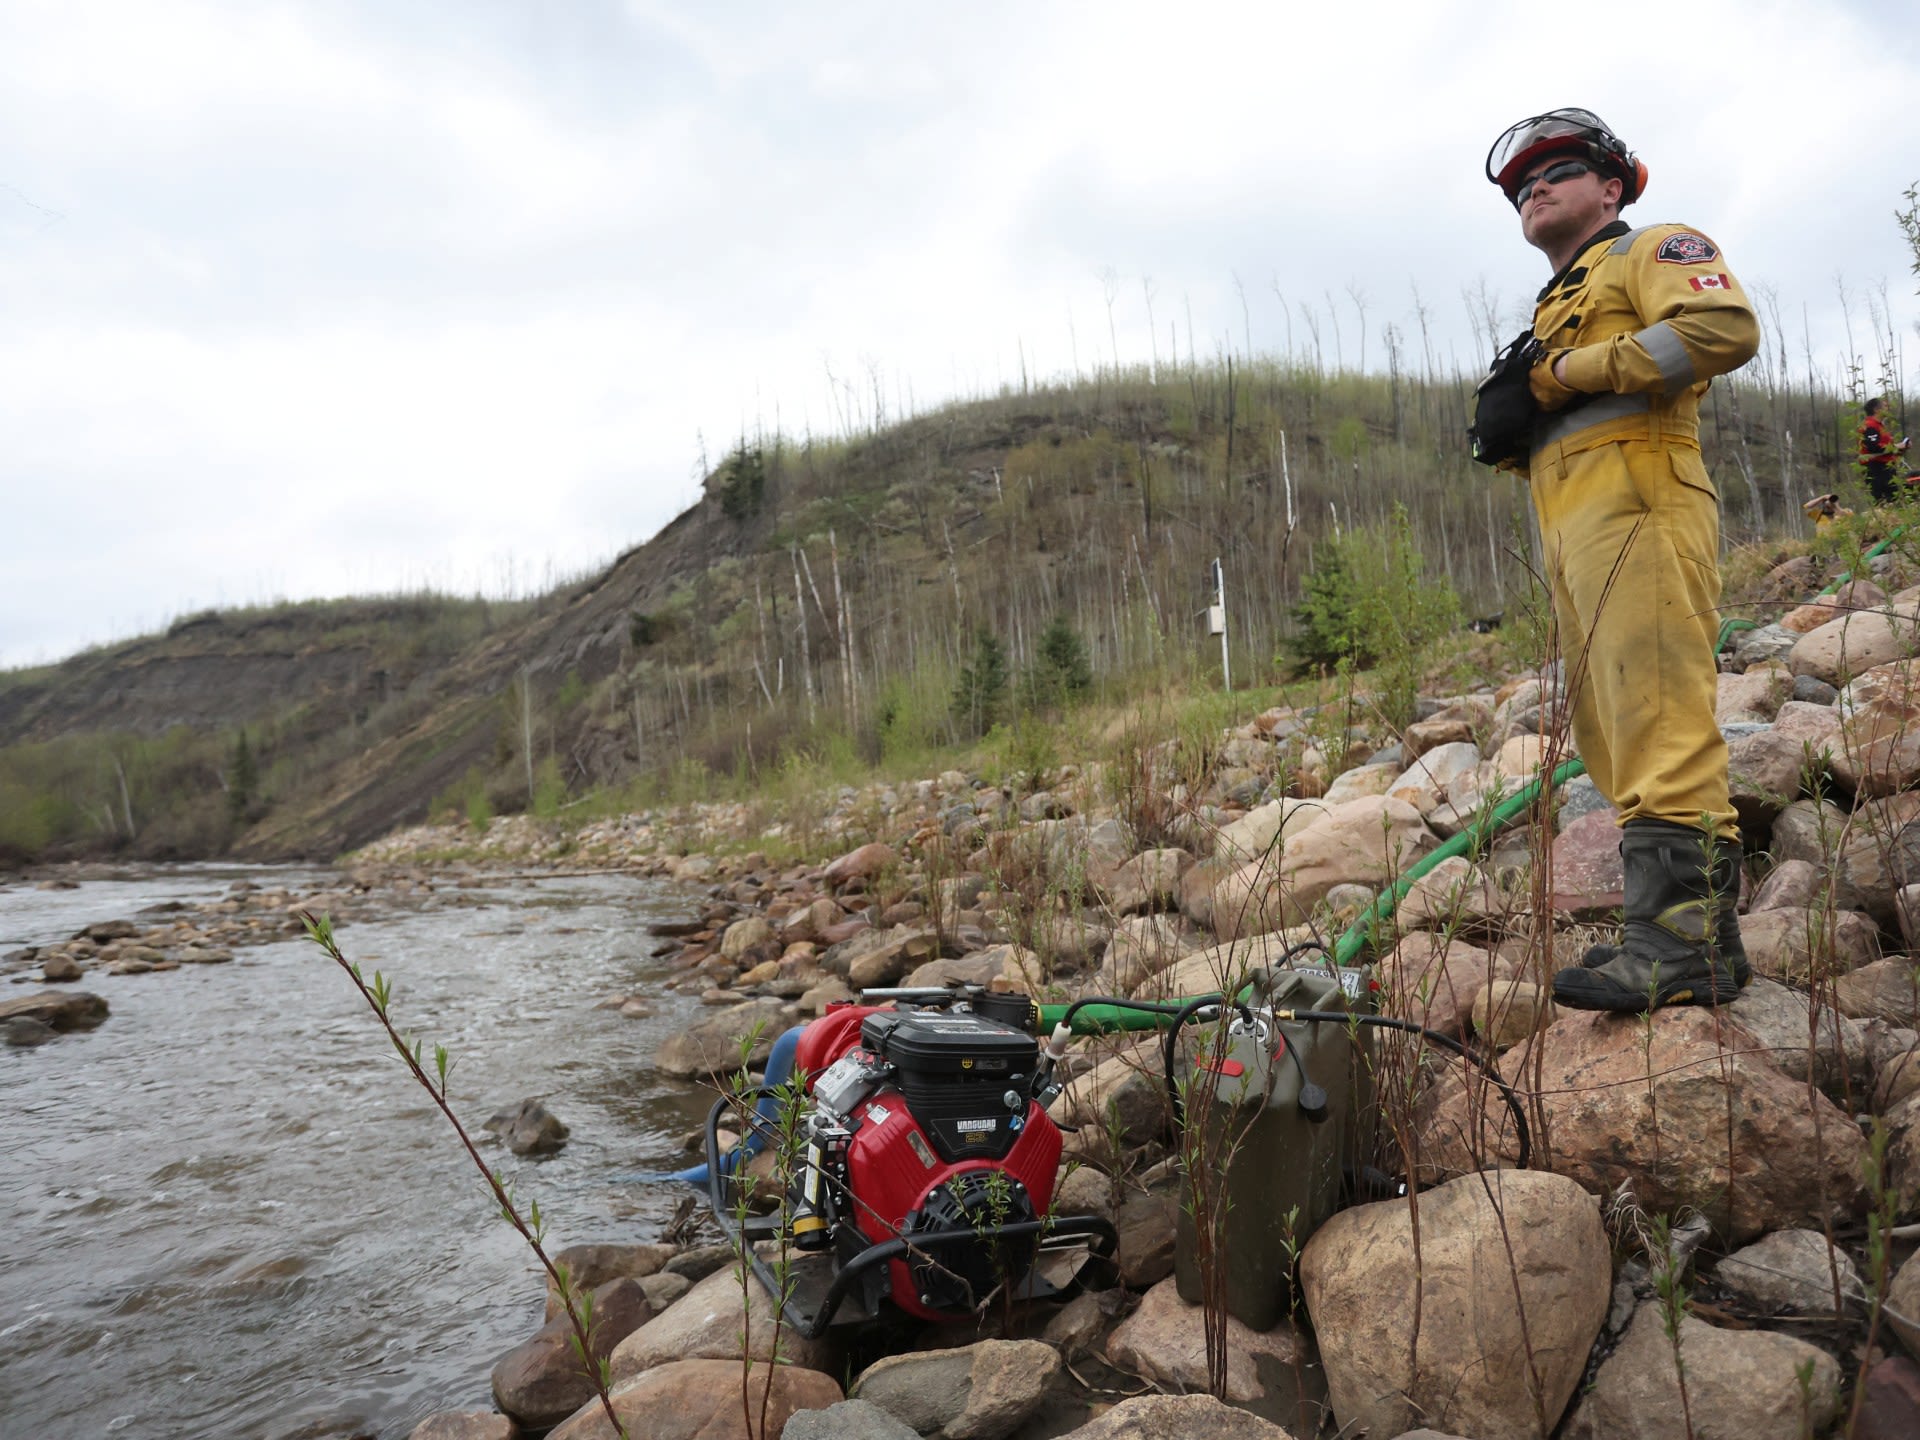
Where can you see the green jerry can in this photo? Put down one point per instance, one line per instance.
(1264, 1170)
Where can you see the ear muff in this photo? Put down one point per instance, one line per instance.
(1637, 184)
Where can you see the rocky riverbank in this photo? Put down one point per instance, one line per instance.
(1712, 1234)
(1712, 1238)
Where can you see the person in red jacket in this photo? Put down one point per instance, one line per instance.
(1878, 452)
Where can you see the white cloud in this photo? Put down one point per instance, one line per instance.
(314, 296)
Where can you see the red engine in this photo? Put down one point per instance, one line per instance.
(926, 1131)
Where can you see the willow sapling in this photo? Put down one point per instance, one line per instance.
(378, 993)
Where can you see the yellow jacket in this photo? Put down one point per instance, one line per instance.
(1645, 318)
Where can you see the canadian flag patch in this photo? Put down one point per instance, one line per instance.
(1709, 282)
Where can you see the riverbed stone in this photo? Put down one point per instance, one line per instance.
(1791, 1270)
(58, 969)
(1746, 1381)
(590, 1266)
(1165, 1341)
(1589, 879)
(708, 1322)
(1178, 1417)
(528, 1128)
(58, 1009)
(465, 1425)
(983, 1391)
(712, 1047)
(700, 1399)
(540, 1382)
(849, 1420)
(1514, 1276)
(23, 1032)
(1791, 944)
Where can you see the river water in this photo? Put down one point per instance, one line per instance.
(229, 1211)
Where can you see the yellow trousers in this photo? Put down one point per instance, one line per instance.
(1631, 531)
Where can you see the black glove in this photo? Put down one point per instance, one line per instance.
(1503, 406)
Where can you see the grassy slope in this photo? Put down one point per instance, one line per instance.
(813, 618)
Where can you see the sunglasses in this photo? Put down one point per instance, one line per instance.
(1557, 174)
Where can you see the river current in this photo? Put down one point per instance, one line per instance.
(229, 1211)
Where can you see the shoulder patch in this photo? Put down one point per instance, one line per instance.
(1686, 248)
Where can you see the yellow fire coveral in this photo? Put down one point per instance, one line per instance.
(1629, 520)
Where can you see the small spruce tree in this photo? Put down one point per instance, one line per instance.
(981, 694)
(243, 778)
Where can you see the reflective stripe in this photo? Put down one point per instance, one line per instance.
(1625, 242)
(1552, 429)
(1663, 344)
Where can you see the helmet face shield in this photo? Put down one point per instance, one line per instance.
(1523, 143)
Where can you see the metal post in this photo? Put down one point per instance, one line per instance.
(1220, 600)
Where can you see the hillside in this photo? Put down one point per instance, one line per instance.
(822, 595)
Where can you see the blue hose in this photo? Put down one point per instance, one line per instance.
(779, 1067)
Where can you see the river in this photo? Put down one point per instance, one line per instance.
(229, 1211)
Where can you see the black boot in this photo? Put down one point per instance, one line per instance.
(1680, 944)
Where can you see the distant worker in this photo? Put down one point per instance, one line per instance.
(1823, 510)
(1630, 330)
(1878, 452)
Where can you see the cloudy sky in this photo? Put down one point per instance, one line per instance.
(310, 297)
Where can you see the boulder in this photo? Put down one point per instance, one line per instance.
(1884, 989)
(983, 1391)
(1165, 1341)
(59, 969)
(1890, 1401)
(1655, 1105)
(1454, 894)
(742, 936)
(1178, 1417)
(1755, 694)
(712, 1047)
(1360, 782)
(1149, 881)
(1903, 1301)
(701, 1400)
(1146, 1220)
(1765, 771)
(58, 1009)
(528, 1128)
(1588, 877)
(866, 863)
(23, 1032)
(540, 1382)
(1142, 946)
(1505, 1012)
(1739, 1383)
(1854, 643)
(708, 1322)
(1434, 980)
(1514, 1278)
(1364, 842)
(465, 1425)
(1879, 853)
(1423, 784)
(1125, 1093)
(849, 1420)
(890, 955)
(1879, 750)
(1808, 830)
(589, 1267)
(1793, 945)
(1793, 1270)
(1780, 1022)
(1791, 882)
(1263, 829)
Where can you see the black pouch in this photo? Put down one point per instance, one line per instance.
(1503, 406)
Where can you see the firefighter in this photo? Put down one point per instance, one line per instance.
(1630, 329)
(1878, 450)
(1824, 510)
